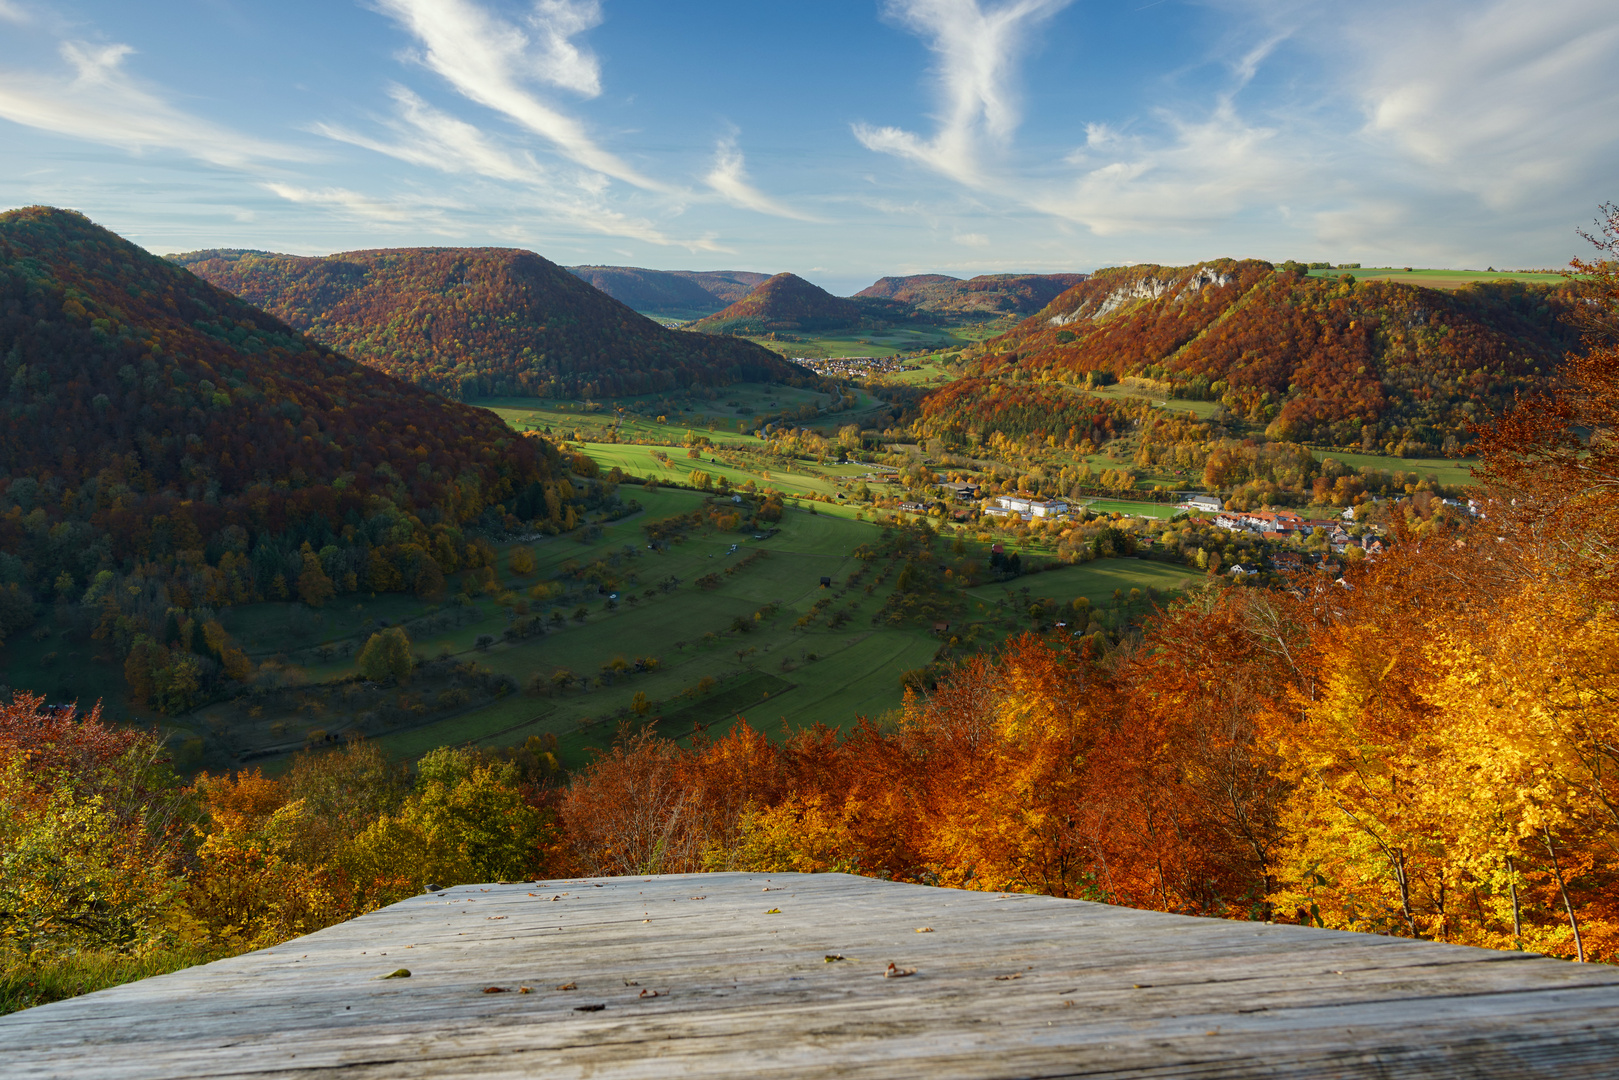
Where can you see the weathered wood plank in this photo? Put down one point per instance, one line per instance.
(1005, 986)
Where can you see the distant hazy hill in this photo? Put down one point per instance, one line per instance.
(162, 430)
(479, 321)
(670, 292)
(989, 294)
(788, 302)
(1315, 359)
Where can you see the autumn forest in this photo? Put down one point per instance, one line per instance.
(1424, 743)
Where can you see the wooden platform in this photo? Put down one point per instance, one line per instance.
(714, 976)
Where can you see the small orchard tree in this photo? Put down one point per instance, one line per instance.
(386, 657)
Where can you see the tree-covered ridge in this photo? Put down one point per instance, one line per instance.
(471, 322)
(671, 291)
(785, 302)
(987, 294)
(1332, 361)
(649, 290)
(171, 450)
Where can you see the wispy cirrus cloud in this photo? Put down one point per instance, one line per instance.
(977, 46)
(1519, 99)
(96, 99)
(423, 135)
(1416, 119)
(414, 211)
(431, 138)
(11, 13)
(493, 62)
(729, 178)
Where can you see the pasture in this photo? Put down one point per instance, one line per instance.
(704, 629)
(1442, 279)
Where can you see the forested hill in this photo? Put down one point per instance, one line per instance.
(785, 302)
(1325, 360)
(988, 294)
(671, 292)
(169, 448)
(472, 322)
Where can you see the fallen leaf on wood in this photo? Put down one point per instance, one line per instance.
(589, 1008)
(1067, 1004)
(651, 993)
(833, 957)
(493, 918)
(555, 898)
(919, 929)
(774, 911)
(524, 990)
(898, 972)
(699, 898)
(1005, 978)
(568, 986)
(402, 973)
(494, 989)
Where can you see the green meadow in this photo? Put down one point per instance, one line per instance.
(766, 641)
(1441, 279)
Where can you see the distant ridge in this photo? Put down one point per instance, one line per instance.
(471, 322)
(785, 302)
(671, 292)
(988, 294)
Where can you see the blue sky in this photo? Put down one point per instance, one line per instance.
(841, 140)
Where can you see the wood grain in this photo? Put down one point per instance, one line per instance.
(1005, 986)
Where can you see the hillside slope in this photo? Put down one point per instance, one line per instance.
(787, 302)
(472, 322)
(1330, 361)
(170, 448)
(986, 295)
(654, 291)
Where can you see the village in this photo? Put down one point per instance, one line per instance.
(855, 367)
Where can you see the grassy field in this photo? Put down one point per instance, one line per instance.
(892, 340)
(1439, 279)
(1162, 511)
(752, 642)
(681, 411)
(1452, 472)
(1201, 409)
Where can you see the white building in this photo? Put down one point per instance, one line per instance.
(1031, 506)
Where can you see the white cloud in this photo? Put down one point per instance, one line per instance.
(1206, 171)
(490, 61)
(1504, 100)
(729, 178)
(1425, 128)
(413, 211)
(103, 103)
(10, 12)
(974, 240)
(436, 140)
(433, 139)
(977, 47)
